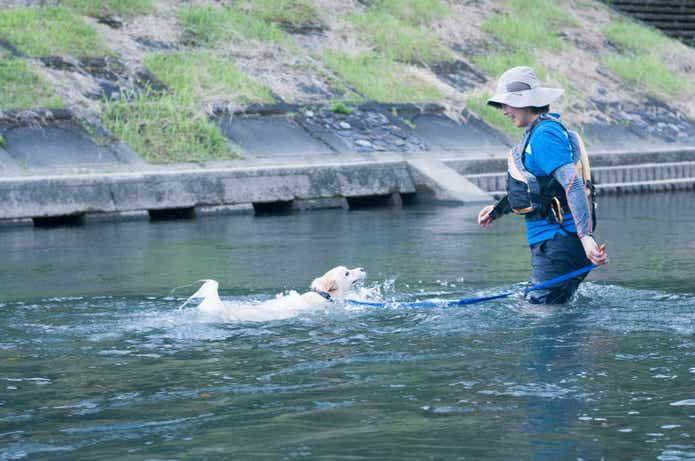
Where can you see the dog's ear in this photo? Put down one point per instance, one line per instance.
(331, 285)
(324, 283)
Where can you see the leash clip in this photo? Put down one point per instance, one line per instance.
(557, 210)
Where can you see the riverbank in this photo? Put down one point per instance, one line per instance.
(185, 191)
(159, 109)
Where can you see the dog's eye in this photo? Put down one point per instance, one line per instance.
(347, 274)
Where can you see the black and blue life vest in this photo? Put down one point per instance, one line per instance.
(543, 197)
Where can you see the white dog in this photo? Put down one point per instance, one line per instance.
(333, 285)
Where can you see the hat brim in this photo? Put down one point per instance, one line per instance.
(536, 97)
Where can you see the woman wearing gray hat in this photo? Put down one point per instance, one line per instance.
(548, 182)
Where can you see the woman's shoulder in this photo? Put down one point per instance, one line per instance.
(551, 125)
(549, 128)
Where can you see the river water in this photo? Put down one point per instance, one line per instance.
(97, 361)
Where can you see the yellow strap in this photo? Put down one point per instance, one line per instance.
(522, 210)
(558, 215)
(513, 170)
(584, 158)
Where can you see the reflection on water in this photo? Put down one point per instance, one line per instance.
(98, 362)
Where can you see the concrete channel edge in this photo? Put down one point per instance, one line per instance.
(233, 190)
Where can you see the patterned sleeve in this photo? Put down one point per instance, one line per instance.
(568, 176)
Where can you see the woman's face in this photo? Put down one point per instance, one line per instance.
(520, 116)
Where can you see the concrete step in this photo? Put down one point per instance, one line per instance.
(444, 183)
(614, 179)
(643, 172)
(490, 182)
(664, 185)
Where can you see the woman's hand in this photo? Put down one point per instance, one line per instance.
(484, 218)
(594, 253)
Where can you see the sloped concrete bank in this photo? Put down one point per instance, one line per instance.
(187, 193)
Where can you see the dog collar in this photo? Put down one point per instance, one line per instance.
(323, 294)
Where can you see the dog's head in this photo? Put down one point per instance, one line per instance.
(338, 281)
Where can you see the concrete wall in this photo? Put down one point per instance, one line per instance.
(46, 196)
(185, 193)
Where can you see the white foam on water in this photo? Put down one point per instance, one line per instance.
(683, 403)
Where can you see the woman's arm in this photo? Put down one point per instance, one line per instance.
(568, 176)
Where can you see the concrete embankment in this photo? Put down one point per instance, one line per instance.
(182, 193)
(186, 193)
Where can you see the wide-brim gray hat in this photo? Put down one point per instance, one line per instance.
(519, 87)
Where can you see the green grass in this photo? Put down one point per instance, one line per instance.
(396, 39)
(105, 7)
(635, 37)
(547, 12)
(210, 26)
(380, 79)
(20, 88)
(204, 75)
(50, 31)
(166, 129)
(339, 107)
(649, 71)
(642, 64)
(492, 115)
(528, 25)
(520, 34)
(414, 12)
(294, 12)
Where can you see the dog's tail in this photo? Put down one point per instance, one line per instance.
(208, 292)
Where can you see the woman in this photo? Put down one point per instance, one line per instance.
(546, 183)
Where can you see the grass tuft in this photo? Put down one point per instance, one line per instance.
(209, 26)
(20, 88)
(294, 12)
(547, 12)
(414, 12)
(380, 79)
(206, 76)
(50, 31)
(104, 7)
(635, 37)
(396, 39)
(340, 107)
(514, 33)
(648, 70)
(528, 25)
(166, 129)
(643, 64)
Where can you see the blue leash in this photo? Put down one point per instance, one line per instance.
(467, 301)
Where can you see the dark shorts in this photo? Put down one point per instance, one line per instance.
(553, 258)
